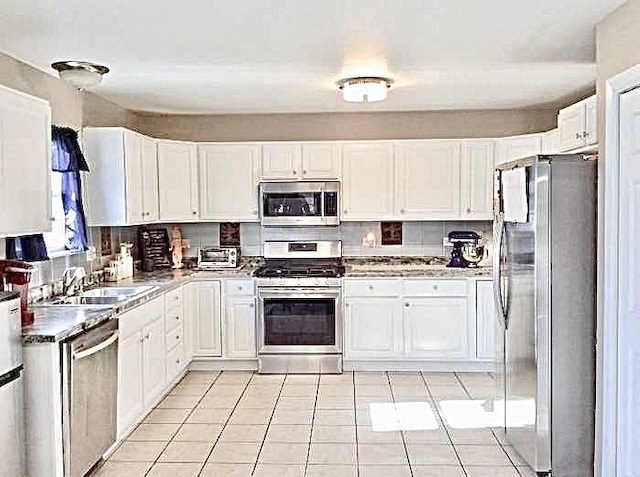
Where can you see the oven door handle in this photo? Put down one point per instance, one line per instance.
(296, 292)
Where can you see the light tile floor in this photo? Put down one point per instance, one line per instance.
(240, 424)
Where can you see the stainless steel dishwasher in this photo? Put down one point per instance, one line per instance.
(89, 397)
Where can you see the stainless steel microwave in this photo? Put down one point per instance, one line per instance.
(299, 203)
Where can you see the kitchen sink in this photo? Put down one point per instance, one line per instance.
(105, 296)
(116, 291)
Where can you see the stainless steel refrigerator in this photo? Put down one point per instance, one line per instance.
(11, 393)
(545, 292)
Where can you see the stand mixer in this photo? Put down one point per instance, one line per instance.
(466, 251)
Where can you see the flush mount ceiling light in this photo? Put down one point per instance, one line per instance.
(365, 89)
(80, 74)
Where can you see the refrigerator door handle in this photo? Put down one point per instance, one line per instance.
(498, 237)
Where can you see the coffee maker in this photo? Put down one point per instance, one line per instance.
(466, 251)
(17, 274)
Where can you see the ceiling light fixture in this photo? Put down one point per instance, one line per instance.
(80, 74)
(364, 89)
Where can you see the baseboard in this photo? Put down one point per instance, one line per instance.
(221, 364)
(428, 366)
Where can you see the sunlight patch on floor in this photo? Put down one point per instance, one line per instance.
(405, 416)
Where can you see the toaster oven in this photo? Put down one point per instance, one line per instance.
(218, 257)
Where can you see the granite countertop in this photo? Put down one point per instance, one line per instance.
(57, 323)
(435, 267)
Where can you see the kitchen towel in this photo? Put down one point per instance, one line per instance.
(514, 195)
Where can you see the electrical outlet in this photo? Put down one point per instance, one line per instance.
(91, 254)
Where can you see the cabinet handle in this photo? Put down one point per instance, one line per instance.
(304, 173)
(254, 212)
(346, 305)
(402, 211)
(177, 318)
(407, 305)
(345, 211)
(239, 288)
(178, 337)
(370, 287)
(295, 173)
(141, 340)
(578, 136)
(468, 209)
(194, 212)
(178, 361)
(585, 134)
(176, 297)
(52, 219)
(435, 287)
(251, 305)
(146, 337)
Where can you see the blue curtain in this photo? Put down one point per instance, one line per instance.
(67, 158)
(30, 248)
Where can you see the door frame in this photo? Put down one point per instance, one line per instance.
(608, 317)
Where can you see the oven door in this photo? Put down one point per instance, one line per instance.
(299, 320)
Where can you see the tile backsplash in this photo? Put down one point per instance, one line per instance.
(419, 238)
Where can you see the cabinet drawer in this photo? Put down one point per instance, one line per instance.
(175, 362)
(173, 298)
(174, 338)
(434, 287)
(173, 318)
(372, 287)
(132, 321)
(238, 287)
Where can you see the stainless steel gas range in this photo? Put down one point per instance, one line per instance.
(299, 308)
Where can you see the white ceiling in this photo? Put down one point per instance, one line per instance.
(268, 56)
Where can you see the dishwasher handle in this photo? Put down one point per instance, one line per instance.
(97, 348)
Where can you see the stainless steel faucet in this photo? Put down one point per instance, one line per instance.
(72, 280)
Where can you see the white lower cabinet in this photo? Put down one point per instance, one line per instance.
(422, 319)
(141, 361)
(486, 321)
(435, 328)
(239, 327)
(202, 310)
(373, 328)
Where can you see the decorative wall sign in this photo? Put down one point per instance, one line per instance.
(230, 234)
(105, 241)
(154, 245)
(391, 233)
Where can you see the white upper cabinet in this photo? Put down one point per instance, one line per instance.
(367, 181)
(577, 125)
(551, 142)
(229, 182)
(281, 161)
(321, 160)
(517, 147)
(476, 179)
(300, 161)
(122, 184)
(25, 164)
(427, 180)
(178, 181)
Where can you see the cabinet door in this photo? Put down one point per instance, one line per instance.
(321, 161)
(435, 328)
(281, 161)
(517, 147)
(373, 328)
(25, 164)
(571, 124)
(591, 120)
(477, 180)
(149, 179)
(427, 180)
(228, 182)
(154, 365)
(177, 181)
(367, 181)
(239, 327)
(206, 324)
(130, 391)
(133, 177)
(551, 142)
(485, 321)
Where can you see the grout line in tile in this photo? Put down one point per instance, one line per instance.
(266, 431)
(185, 419)
(404, 443)
(204, 462)
(463, 386)
(313, 419)
(446, 430)
(355, 420)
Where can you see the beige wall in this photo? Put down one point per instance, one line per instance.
(402, 125)
(69, 107)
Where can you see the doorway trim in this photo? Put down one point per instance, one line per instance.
(606, 458)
